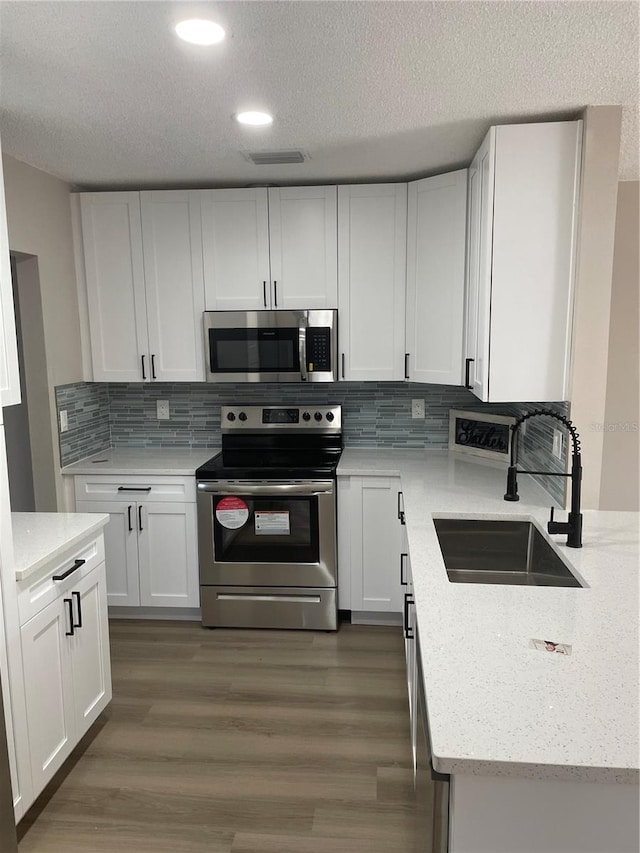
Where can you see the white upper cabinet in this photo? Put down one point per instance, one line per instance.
(9, 375)
(303, 235)
(436, 245)
(372, 251)
(523, 204)
(112, 240)
(172, 250)
(143, 268)
(270, 249)
(235, 242)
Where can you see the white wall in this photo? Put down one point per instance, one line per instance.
(621, 439)
(594, 263)
(39, 223)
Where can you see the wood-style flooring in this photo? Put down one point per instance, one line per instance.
(239, 742)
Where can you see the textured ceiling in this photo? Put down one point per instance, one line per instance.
(104, 95)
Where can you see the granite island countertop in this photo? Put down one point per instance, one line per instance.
(41, 537)
(143, 460)
(496, 706)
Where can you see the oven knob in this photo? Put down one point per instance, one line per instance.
(329, 416)
(306, 416)
(318, 416)
(231, 416)
(243, 416)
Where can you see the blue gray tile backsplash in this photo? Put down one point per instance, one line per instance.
(375, 414)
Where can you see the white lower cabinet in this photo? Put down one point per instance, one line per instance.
(369, 546)
(150, 540)
(409, 628)
(67, 670)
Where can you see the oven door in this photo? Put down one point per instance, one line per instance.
(255, 346)
(267, 533)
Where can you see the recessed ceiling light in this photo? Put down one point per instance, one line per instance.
(199, 31)
(254, 117)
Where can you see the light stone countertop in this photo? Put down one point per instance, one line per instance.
(143, 460)
(496, 706)
(40, 538)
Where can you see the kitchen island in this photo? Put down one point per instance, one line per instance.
(542, 748)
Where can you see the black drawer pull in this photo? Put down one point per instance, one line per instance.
(129, 508)
(403, 578)
(77, 624)
(408, 630)
(400, 511)
(275, 294)
(144, 375)
(71, 625)
(264, 293)
(66, 574)
(406, 365)
(140, 517)
(467, 365)
(343, 365)
(153, 366)
(134, 488)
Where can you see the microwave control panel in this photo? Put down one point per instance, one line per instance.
(318, 348)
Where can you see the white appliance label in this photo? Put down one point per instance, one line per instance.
(272, 523)
(232, 512)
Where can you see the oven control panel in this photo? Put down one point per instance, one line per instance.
(292, 418)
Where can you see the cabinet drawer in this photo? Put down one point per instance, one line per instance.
(39, 591)
(143, 488)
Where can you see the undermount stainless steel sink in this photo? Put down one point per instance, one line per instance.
(502, 552)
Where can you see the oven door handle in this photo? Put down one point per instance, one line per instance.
(309, 489)
(302, 344)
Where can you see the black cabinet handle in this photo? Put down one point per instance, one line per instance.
(467, 365)
(77, 624)
(406, 365)
(129, 508)
(153, 366)
(275, 294)
(71, 625)
(264, 293)
(144, 375)
(403, 579)
(408, 630)
(134, 488)
(400, 510)
(70, 571)
(343, 365)
(140, 518)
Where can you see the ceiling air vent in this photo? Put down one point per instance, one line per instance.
(275, 158)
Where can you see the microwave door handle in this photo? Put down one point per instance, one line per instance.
(302, 343)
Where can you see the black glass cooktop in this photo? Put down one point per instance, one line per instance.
(270, 465)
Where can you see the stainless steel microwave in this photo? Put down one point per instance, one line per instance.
(271, 346)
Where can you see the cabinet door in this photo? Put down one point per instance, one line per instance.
(49, 690)
(375, 545)
(372, 233)
(112, 240)
(172, 240)
(167, 549)
(235, 244)
(9, 376)
(437, 210)
(91, 664)
(121, 549)
(481, 187)
(303, 239)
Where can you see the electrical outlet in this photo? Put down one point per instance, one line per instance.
(558, 440)
(417, 408)
(162, 410)
(64, 423)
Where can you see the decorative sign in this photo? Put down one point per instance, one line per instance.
(550, 646)
(232, 512)
(272, 523)
(480, 434)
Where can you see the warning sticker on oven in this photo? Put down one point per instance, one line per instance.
(272, 523)
(232, 512)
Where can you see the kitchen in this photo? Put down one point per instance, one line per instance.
(122, 412)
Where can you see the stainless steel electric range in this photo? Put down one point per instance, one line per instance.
(267, 519)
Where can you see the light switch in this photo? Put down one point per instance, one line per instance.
(64, 423)
(162, 410)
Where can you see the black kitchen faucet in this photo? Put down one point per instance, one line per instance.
(573, 525)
